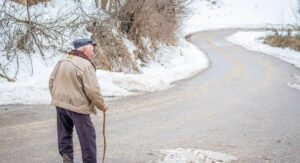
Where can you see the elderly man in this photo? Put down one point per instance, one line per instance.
(75, 93)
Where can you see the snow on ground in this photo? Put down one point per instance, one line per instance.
(174, 63)
(216, 14)
(295, 85)
(253, 40)
(194, 156)
(170, 66)
(157, 75)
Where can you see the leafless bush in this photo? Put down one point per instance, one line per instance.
(156, 20)
(284, 41)
(111, 53)
(284, 38)
(23, 30)
(144, 22)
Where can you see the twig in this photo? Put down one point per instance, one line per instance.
(4, 75)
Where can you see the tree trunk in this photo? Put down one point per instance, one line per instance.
(104, 4)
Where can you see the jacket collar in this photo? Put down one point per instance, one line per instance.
(80, 54)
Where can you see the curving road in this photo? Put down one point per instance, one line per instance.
(240, 106)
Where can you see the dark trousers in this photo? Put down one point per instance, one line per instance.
(66, 120)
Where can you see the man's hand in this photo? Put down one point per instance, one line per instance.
(104, 108)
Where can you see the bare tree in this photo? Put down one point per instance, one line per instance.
(23, 30)
(29, 31)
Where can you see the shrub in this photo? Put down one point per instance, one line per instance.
(156, 20)
(284, 41)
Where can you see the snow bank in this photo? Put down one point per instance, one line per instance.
(173, 63)
(253, 40)
(240, 14)
(31, 86)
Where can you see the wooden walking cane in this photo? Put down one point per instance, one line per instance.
(104, 138)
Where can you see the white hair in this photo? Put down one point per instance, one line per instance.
(82, 48)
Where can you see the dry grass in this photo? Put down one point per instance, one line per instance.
(282, 41)
(157, 20)
(289, 40)
(110, 53)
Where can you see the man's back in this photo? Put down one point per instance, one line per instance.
(67, 88)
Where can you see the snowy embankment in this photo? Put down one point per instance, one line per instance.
(170, 65)
(175, 63)
(254, 40)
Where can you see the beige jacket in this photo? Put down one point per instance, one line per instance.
(73, 85)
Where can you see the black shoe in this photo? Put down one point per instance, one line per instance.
(67, 158)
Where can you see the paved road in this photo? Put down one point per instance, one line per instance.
(241, 106)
